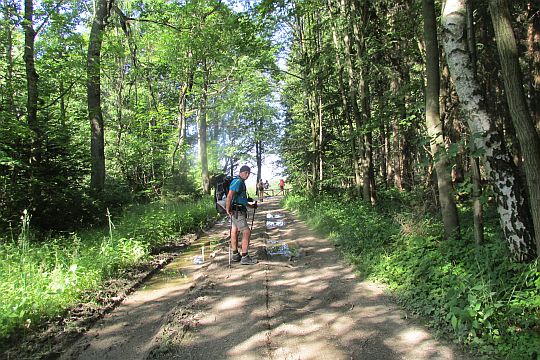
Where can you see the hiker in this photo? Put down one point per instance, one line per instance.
(260, 190)
(236, 207)
(282, 186)
(266, 185)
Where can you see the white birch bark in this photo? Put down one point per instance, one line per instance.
(514, 214)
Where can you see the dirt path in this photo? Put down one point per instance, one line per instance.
(300, 302)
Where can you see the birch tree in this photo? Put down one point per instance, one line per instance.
(513, 213)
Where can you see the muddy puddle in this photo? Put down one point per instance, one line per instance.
(177, 272)
(277, 244)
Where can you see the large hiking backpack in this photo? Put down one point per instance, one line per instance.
(221, 191)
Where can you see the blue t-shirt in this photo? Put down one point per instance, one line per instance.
(238, 186)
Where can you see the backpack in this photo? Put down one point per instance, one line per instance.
(220, 192)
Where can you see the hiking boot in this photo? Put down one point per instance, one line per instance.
(248, 260)
(236, 257)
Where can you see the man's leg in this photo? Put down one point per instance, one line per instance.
(246, 233)
(234, 243)
(245, 240)
(234, 237)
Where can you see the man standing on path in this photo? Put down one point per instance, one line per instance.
(236, 207)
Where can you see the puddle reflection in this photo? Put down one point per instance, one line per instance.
(175, 272)
(276, 246)
(274, 221)
(275, 224)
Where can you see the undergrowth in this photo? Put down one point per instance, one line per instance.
(39, 280)
(487, 301)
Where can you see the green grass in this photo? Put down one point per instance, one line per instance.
(479, 295)
(39, 280)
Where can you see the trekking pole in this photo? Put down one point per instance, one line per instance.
(253, 217)
(230, 239)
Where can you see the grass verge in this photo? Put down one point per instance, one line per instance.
(39, 280)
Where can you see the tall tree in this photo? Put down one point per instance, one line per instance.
(8, 9)
(478, 217)
(514, 214)
(95, 113)
(32, 103)
(344, 85)
(533, 52)
(31, 79)
(433, 122)
(515, 95)
(202, 125)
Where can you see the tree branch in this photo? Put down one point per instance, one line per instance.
(59, 96)
(157, 23)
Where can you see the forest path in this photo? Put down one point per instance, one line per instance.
(310, 306)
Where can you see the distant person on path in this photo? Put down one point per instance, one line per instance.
(236, 207)
(266, 185)
(282, 186)
(260, 190)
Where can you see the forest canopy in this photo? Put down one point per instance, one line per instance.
(109, 102)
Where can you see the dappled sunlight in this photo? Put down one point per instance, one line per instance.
(309, 350)
(413, 336)
(325, 250)
(342, 325)
(304, 326)
(421, 344)
(231, 302)
(257, 341)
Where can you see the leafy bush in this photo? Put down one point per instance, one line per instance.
(477, 293)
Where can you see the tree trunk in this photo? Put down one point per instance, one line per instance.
(10, 100)
(478, 213)
(514, 215)
(478, 218)
(308, 113)
(32, 105)
(533, 53)
(384, 148)
(95, 114)
(352, 94)
(515, 95)
(203, 151)
(31, 80)
(343, 93)
(258, 158)
(181, 122)
(358, 20)
(396, 156)
(433, 122)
